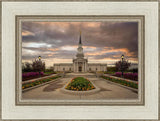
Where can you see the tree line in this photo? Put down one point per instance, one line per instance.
(35, 66)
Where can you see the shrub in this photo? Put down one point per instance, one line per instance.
(111, 69)
(27, 67)
(134, 70)
(132, 76)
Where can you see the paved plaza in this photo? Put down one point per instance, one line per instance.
(108, 90)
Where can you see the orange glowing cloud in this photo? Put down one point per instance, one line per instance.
(27, 33)
(51, 49)
(93, 25)
(106, 50)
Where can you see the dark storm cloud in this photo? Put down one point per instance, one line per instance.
(66, 54)
(46, 53)
(116, 35)
(50, 34)
(29, 57)
(122, 35)
(37, 49)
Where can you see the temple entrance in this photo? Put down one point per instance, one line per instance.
(80, 69)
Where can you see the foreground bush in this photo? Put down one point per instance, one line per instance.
(37, 82)
(80, 84)
(132, 76)
(121, 81)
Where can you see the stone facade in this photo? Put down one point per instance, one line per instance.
(97, 67)
(63, 67)
(80, 63)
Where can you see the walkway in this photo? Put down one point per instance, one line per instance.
(107, 90)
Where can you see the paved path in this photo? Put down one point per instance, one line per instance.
(107, 90)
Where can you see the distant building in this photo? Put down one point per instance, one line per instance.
(80, 63)
(133, 66)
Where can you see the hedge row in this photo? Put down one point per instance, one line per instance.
(123, 82)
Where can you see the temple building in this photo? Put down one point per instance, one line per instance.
(80, 63)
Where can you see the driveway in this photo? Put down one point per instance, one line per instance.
(52, 91)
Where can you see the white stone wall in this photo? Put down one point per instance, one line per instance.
(97, 67)
(90, 67)
(63, 67)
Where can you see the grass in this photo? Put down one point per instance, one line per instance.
(80, 84)
(109, 72)
(49, 72)
(122, 82)
(37, 82)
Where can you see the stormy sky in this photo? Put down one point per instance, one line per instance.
(57, 42)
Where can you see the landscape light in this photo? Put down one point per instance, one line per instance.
(122, 56)
(39, 57)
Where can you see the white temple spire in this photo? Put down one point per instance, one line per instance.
(80, 48)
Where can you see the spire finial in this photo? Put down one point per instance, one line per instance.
(80, 38)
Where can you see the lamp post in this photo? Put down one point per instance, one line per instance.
(39, 57)
(122, 57)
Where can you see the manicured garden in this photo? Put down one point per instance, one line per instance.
(37, 82)
(121, 81)
(80, 84)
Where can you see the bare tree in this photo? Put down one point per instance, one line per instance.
(38, 65)
(122, 65)
(27, 67)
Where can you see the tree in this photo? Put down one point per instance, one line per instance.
(38, 65)
(26, 67)
(122, 65)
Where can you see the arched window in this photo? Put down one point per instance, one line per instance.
(89, 69)
(63, 69)
(96, 69)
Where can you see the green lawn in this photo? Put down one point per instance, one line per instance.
(49, 72)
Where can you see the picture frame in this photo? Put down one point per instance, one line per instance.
(139, 101)
(86, 110)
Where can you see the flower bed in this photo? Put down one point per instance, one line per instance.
(31, 75)
(121, 81)
(132, 76)
(37, 82)
(80, 84)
